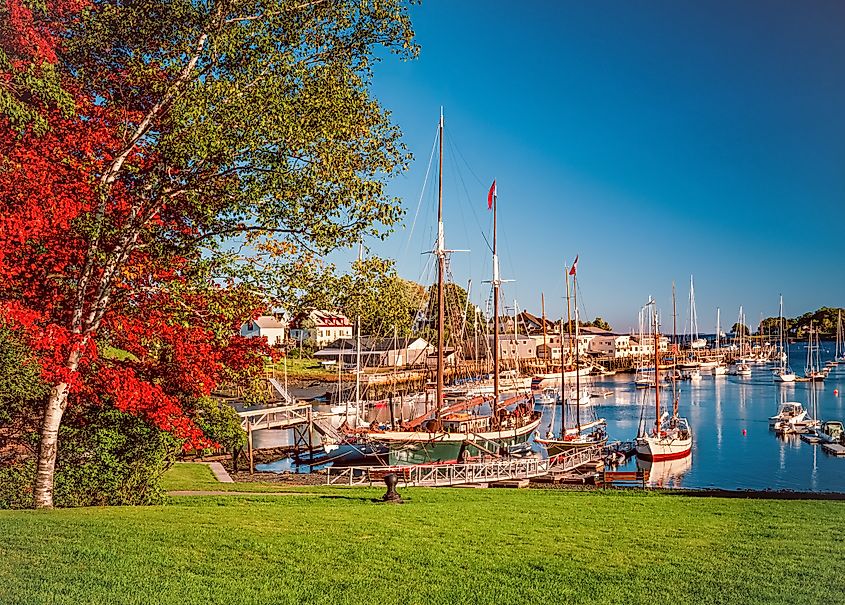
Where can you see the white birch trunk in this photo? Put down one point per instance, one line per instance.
(48, 446)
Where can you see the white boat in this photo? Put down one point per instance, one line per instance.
(839, 352)
(789, 412)
(546, 397)
(740, 368)
(813, 370)
(784, 376)
(580, 434)
(783, 373)
(670, 438)
(694, 342)
(552, 380)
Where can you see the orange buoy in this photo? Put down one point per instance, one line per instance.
(836, 392)
(743, 432)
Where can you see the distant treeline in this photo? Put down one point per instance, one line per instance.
(824, 320)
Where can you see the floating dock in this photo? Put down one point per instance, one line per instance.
(834, 449)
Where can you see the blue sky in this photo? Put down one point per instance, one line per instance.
(654, 139)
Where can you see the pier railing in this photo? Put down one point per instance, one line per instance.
(275, 417)
(444, 475)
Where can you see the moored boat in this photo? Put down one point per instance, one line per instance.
(783, 373)
(671, 437)
(791, 412)
(579, 435)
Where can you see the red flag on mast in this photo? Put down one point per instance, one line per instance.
(490, 195)
(574, 265)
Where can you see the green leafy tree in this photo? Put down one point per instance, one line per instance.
(380, 299)
(598, 322)
(461, 317)
(739, 328)
(243, 144)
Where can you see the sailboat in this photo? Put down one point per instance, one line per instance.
(839, 353)
(460, 431)
(670, 437)
(695, 341)
(813, 370)
(740, 366)
(691, 368)
(783, 373)
(580, 435)
(644, 376)
(719, 369)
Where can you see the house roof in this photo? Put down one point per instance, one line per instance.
(268, 321)
(369, 344)
(533, 321)
(592, 330)
(323, 319)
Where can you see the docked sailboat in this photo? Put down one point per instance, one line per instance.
(839, 352)
(813, 370)
(719, 368)
(579, 435)
(783, 373)
(461, 431)
(670, 437)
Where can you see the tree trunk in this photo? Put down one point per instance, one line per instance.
(48, 447)
(49, 444)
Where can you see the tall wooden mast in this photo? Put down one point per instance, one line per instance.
(496, 283)
(675, 350)
(543, 313)
(577, 353)
(656, 374)
(563, 366)
(441, 270)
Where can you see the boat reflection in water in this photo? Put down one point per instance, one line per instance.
(665, 473)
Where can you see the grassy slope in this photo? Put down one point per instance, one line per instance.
(308, 369)
(198, 477)
(444, 546)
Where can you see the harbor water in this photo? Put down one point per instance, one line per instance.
(733, 446)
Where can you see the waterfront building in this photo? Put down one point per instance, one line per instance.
(269, 327)
(320, 327)
(377, 352)
(515, 346)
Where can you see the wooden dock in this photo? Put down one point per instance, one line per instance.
(450, 475)
(834, 449)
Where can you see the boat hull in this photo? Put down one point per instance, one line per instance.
(408, 448)
(663, 448)
(555, 447)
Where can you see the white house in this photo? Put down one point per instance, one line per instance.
(516, 346)
(611, 345)
(377, 352)
(267, 327)
(321, 327)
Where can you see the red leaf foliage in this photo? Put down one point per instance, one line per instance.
(57, 217)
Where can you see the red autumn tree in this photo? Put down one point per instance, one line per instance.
(166, 167)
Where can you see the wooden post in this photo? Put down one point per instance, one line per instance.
(310, 437)
(249, 444)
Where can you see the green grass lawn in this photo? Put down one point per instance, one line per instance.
(308, 369)
(337, 546)
(185, 476)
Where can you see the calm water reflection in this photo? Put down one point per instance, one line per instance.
(719, 409)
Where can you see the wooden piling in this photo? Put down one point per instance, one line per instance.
(249, 445)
